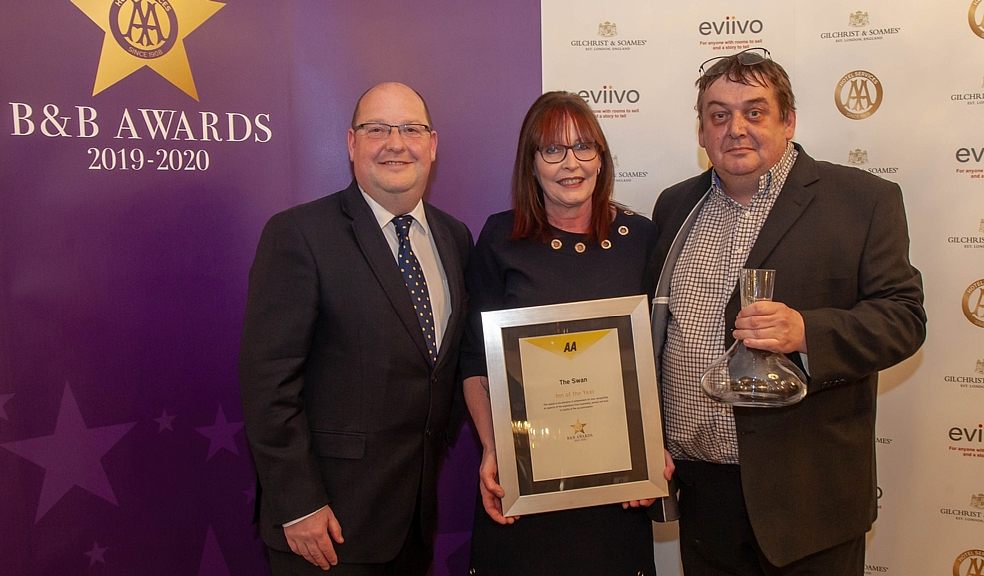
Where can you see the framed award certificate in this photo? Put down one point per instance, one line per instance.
(575, 408)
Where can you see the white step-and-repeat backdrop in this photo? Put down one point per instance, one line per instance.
(892, 87)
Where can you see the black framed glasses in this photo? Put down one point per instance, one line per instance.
(555, 153)
(381, 130)
(750, 57)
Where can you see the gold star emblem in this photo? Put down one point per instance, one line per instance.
(578, 426)
(147, 33)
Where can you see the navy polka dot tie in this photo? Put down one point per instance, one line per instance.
(413, 275)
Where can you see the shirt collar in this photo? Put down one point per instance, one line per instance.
(778, 173)
(384, 216)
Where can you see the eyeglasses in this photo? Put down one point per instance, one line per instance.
(749, 57)
(380, 130)
(555, 153)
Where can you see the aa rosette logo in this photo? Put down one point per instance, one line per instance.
(973, 303)
(969, 563)
(975, 17)
(858, 94)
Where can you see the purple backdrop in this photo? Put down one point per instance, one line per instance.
(122, 290)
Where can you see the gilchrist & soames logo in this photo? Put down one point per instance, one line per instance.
(607, 40)
(975, 17)
(859, 23)
(966, 514)
(977, 501)
(149, 33)
(969, 563)
(607, 29)
(969, 381)
(859, 157)
(625, 174)
(973, 240)
(969, 98)
(858, 19)
(973, 303)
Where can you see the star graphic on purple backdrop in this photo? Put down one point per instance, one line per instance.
(3, 400)
(213, 563)
(165, 421)
(71, 455)
(221, 435)
(96, 554)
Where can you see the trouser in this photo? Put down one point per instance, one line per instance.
(716, 537)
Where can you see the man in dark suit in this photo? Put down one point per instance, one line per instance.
(791, 490)
(349, 355)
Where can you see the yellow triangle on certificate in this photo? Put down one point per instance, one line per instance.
(568, 345)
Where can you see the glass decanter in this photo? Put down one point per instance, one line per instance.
(745, 376)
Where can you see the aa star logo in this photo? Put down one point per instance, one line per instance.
(147, 33)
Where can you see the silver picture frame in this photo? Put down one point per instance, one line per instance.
(575, 404)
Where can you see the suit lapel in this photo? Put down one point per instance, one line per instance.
(678, 218)
(682, 221)
(451, 263)
(378, 255)
(796, 195)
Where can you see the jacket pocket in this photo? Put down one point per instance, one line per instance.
(350, 445)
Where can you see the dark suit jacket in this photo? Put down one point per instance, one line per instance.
(838, 240)
(341, 405)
